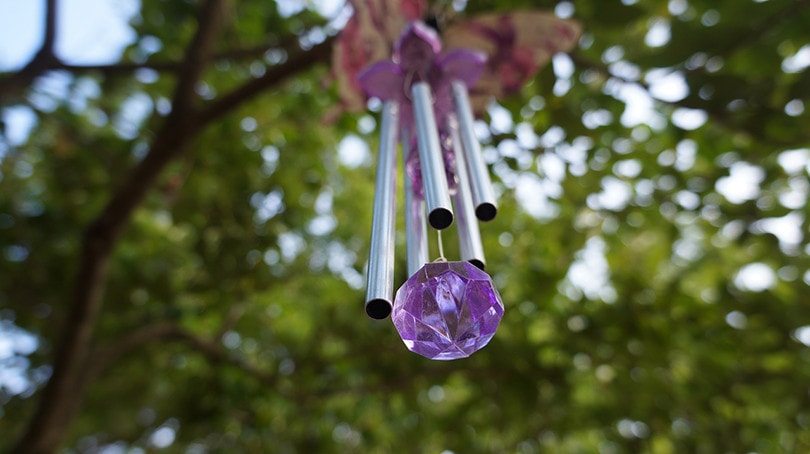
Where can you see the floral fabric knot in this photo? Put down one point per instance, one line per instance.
(418, 57)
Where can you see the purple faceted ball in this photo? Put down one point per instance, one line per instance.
(447, 310)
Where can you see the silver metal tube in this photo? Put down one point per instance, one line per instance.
(469, 236)
(415, 227)
(380, 288)
(437, 195)
(483, 196)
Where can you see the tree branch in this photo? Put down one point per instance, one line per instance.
(754, 33)
(725, 48)
(211, 349)
(295, 63)
(113, 69)
(61, 398)
(105, 357)
(50, 27)
(42, 61)
(719, 116)
(63, 394)
(235, 313)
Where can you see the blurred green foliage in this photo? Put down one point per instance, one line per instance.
(635, 320)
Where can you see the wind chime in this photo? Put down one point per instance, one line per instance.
(446, 309)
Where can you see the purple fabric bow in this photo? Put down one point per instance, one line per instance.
(418, 57)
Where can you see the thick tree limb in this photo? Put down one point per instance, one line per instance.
(61, 398)
(63, 394)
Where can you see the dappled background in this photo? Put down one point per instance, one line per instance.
(183, 238)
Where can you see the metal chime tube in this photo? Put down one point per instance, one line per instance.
(483, 196)
(469, 236)
(437, 194)
(381, 255)
(415, 227)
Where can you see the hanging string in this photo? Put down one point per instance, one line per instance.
(441, 247)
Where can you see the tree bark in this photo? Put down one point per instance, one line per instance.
(63, 394)
(44, 59)
(62, 397)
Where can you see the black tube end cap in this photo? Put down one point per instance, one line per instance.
(378, 309)
(440, 218)
(486, 211)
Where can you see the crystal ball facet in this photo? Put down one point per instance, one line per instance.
(447, 310)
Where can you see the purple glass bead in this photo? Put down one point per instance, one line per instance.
(447, 310)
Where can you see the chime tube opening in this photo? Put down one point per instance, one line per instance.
(440, 218)
(469, 236)
(478, 264)
(380, 289)
(378, 309)
(486, 211)
(434, 179)
(483, 197)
